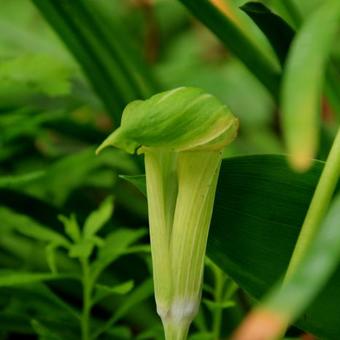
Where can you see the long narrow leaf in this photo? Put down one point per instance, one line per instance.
(16, 278)
(302, 83)
(115, 78)
(236, 42)
(278, 32)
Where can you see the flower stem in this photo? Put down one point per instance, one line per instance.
(85, 318)
(176, 331)
(220, 280)
(319, 205)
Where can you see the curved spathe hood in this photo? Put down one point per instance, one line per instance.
(185, 118)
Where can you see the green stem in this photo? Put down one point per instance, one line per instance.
(319, 205)
(87, 288)
(220, 279)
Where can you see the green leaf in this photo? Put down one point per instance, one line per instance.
(278, 32)
(302, 83)
(51, 257)
(202, 336)
(19, 180)
(138, 181)
(82, 250)
(49, 328)
(259, 208)
(24, 76)
(14, 322)
(29, 227)
(98, 218)
(8, 278)
(139, 294)
(44, 332)
(322, 258)
(235, 40)
(116, 244)
(212, 305)
(71, 227)
(31, 206)
(102, 291)
(280, 35)
(115, 76)
(120, 333)
(38, 293)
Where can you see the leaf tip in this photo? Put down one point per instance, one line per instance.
(300, 161)
(261, 325)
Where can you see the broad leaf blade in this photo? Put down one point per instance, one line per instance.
(322, 258)
(259, 207)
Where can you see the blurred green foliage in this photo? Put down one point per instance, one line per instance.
(56, 226)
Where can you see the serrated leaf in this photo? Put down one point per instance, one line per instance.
(102, 291)
(97, 219)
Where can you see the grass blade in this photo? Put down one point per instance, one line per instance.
(302, 84)
(278, 32)
(8, 279)
(236, 42)
(113, 76)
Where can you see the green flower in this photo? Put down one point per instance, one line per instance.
(182, 134)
